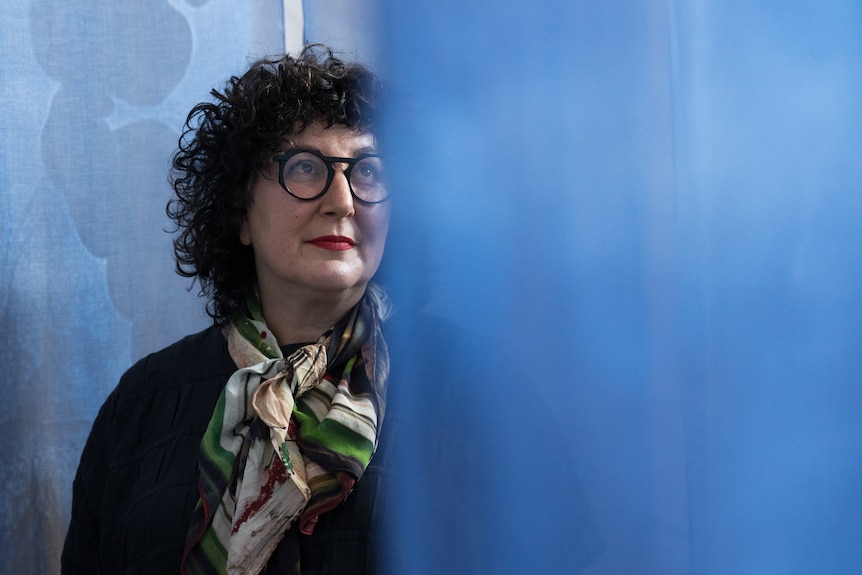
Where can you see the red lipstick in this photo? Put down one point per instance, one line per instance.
(334, 243)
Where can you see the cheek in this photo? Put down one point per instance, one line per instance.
(375, 227)
(284, 223)
(380, 229)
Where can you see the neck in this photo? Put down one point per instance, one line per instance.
(302, 320)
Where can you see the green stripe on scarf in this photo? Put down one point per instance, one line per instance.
(334, 436)
(216, 455)
(250, 332)
(213, 549)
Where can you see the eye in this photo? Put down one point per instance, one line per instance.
(368, 179)
(368, 171)
(304, 167)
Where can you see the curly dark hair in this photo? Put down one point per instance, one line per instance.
(223, 148)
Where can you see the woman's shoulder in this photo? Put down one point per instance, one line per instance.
(170, 391)
(202, 355)
(198, 365)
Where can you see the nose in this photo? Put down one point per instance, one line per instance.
(338, 199)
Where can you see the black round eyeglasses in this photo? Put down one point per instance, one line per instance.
(307, 175)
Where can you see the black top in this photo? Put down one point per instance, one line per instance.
(136, 485)
(468, 486)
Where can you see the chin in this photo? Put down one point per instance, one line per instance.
(336, 278)
(341, 285)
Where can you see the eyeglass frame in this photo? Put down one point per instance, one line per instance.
(282, 157)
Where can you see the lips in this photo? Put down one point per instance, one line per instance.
(334, 243)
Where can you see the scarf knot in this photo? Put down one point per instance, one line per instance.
(318, 413)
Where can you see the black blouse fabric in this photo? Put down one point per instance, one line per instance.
(136, 485)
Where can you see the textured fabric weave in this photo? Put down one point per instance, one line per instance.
(288, 438)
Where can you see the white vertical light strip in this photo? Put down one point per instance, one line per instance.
(294, 26)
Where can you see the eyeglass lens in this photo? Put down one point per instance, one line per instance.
(305, 175)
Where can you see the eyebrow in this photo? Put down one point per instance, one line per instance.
(366, 150)
(356, 153)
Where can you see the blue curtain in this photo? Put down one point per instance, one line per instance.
(645, 217)
(638, 221)
(94, 96)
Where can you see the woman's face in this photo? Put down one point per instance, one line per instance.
(330, 246)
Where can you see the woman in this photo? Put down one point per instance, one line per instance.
(247, 447)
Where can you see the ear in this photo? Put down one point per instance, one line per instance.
(244, 235)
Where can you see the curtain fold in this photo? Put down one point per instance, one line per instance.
(94, 96)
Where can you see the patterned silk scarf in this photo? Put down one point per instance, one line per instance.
(289, 437)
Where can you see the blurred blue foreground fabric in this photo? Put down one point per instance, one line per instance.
(647, 217)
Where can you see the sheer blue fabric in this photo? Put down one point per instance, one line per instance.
(94, 96)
